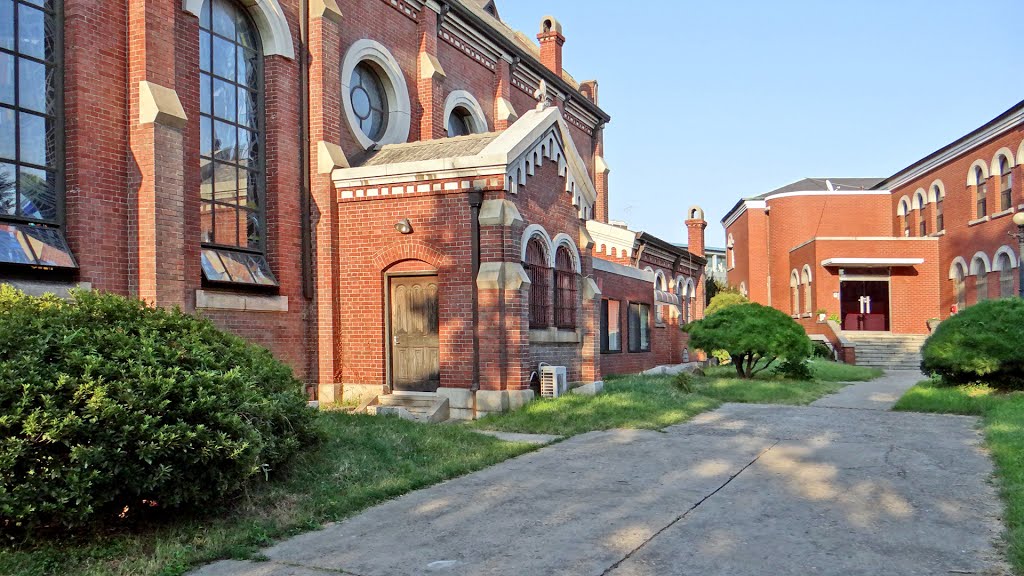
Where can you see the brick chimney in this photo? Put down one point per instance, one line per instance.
(551, 41)
(695, 225)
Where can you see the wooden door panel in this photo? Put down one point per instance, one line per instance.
(415, 351)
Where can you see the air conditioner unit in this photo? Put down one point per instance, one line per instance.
(553, 382)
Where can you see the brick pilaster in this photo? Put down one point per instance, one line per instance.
(429, 79)
(156, 185)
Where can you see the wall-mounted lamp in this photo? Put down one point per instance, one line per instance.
(404, 226)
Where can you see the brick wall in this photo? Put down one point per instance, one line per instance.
(961, 239)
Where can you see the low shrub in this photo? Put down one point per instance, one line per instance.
(108, 406)
(722, 356)
(822, 350)
(795, 370)
(980, 344)
(683, 382)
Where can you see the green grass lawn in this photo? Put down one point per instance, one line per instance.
(1003, 423)
(654, 402)
(365, 460)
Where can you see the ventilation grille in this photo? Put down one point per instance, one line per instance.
(553, 382)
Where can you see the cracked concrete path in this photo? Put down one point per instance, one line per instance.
(743, 490)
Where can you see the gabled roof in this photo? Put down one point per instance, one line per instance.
(540, 135)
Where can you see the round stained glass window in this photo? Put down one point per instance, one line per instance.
(369, 101)
(459, 123)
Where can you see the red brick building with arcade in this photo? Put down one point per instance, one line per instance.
(394, 196)
(887, 258)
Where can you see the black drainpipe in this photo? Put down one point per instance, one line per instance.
(304, 180)
(304, 183)
(476, 199)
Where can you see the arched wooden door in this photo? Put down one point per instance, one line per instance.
(413, 325)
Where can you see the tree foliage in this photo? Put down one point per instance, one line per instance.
(754, 335)
(982, 343)
(108, 406)
(725, 298)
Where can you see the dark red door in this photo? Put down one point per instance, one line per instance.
(864, 305)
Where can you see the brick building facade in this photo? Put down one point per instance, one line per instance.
(887, 255)
(388, 194)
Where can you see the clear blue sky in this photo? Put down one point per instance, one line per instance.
(712, 101)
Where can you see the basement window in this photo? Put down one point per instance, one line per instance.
(230, 267)
(35, 246)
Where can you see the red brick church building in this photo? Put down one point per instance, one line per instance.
(889, 257)
(391, 195)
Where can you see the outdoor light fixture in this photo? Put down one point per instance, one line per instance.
(404, 226)
(1018, 219)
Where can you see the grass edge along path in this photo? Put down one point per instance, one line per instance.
(364, 460)
(1002, 421)
(654, 402)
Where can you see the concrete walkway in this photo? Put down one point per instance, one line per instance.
(744, 490)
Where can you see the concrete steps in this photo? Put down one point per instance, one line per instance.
(416, 406)
(888, 351)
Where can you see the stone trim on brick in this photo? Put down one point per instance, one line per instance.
(502, 276)
(325, 9)
(330, 157)
(160, 105)
(206, 300)
(270, 21)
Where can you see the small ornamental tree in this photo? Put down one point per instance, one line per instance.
(980, 344)
(751, 333)
(724, 299)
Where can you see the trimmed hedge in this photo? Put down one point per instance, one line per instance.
(750, 333)
(108, 406)
(980, 344)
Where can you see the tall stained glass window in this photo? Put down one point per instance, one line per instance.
(233, 207)
(31, 136)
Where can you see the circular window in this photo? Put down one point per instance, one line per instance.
(369, 101)
(460, 123)
(374, 95)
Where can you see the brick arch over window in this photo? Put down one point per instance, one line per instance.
(269, 19)
(972, 173)
(565, 240)
(999, 155)
(410, 250)
(920, 199)
(537, 231)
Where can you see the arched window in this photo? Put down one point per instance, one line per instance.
(1006, 273)
(808, 292)
(31, 136)
(940, 223)
(537, 269)
(960, 287)
(565, 289)
(369, 100)
(460, 123)
(982, 192)
(981, 284)
(233, 188)
(794, 285)
(1005, 183)
(921, 204)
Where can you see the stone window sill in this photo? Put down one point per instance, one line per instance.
(1003, 213)
(208, 300)
(978, 221)
(937, 234)
(555, 336)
